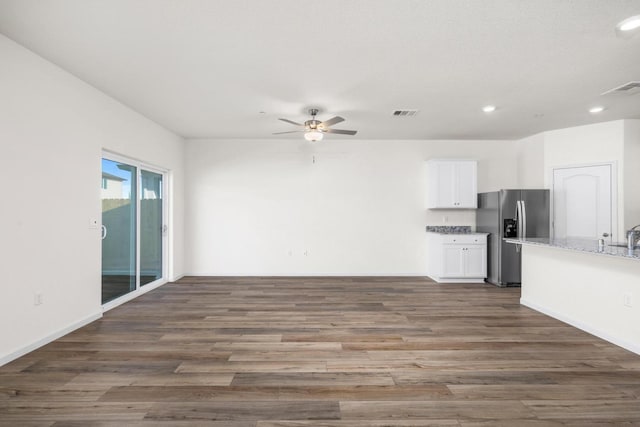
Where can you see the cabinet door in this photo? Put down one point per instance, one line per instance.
(466, 185)
(452, 261)
(452, 184)
(447, 182)
(475, 261)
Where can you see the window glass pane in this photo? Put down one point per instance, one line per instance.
(151, 223)
(118, 229)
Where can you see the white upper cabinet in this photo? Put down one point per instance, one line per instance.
(453, 184)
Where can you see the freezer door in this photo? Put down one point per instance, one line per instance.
(511, 261)
(509, 268)
(536, 209)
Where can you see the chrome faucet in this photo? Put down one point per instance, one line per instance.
(631, 238)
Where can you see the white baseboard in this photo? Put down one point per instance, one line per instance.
(315, 274)
(466, 280)
(176, 278)
(64, 331)
(631, 346)
(47, 339)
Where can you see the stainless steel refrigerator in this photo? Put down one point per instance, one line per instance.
(510, 213)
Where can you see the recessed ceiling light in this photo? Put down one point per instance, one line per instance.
(489, 108)
(629, 24)
(596, 110)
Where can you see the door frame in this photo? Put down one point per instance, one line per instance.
(614, 194)
(139, 165)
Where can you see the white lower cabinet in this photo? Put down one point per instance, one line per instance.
(453, 260)
(475, 261)
(457, 258)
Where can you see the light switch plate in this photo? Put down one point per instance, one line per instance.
(93, 223)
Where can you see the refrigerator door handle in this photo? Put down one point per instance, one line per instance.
(524, 219)
(519, 222)
(517, 215)
(519, 218)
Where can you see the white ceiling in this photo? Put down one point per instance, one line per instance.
(207, 68)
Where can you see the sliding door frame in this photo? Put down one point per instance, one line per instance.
(140, 165)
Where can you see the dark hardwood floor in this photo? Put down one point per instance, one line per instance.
(293, 352)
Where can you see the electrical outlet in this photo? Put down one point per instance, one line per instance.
(627, 300)
(37, 298)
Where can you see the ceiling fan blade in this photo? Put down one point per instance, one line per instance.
(342, 131)
(332, 121)
(292, 122)
(291, 131)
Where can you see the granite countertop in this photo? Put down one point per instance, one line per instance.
(465, 234)
(449, 229)
(579, 245)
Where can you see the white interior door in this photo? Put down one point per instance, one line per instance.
(583, 202)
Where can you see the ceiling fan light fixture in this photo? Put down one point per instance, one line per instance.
(313, 135)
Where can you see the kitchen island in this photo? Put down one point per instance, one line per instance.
(596, 290)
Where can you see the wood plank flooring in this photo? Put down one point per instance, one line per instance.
(329, 352)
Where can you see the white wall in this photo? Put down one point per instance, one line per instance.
(590, 144)
(632, 173)
(52, 130)
(531, 162)
(616, 142)
(255, 207)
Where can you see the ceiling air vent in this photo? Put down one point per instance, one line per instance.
(404, 113)
(627, 88)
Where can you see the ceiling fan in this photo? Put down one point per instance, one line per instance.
(314, 129)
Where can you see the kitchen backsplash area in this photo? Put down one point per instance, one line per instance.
(449, 229)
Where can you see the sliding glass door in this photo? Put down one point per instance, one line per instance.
(151, 227)
(119, 213)
(133, 229)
